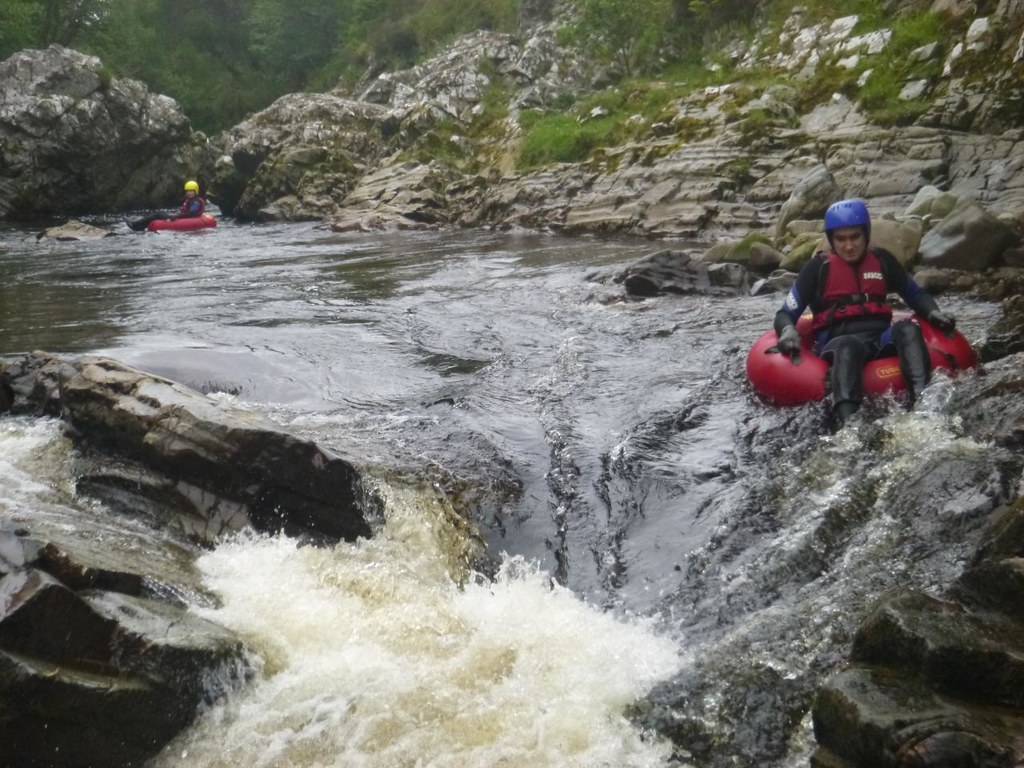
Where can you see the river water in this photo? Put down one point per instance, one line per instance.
(667, 554)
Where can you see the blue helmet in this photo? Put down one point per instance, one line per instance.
(847, 213)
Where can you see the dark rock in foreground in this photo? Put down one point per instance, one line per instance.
(939, 681)
(96, 668)
(101, 662)
(220, 468)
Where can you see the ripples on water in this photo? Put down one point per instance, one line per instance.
(609, 452)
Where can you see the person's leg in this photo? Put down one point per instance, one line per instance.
(915, 360)
(140, 224)
(846, 356)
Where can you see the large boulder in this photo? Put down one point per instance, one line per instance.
(299, 157)
(75, 140)
(901, 239)
(969, 238)
(809, 199)
(936, 679)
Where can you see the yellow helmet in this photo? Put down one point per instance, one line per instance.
(191, 186)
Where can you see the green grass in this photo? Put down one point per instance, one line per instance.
(561, 138)
(640, 110)
(879, 96)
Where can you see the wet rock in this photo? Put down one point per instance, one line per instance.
(934, 280)
(74, 230)
(675, 272)
(1006, 337)
(101, 678)
(956, 651)
(779, 281)
(56, 716)
(214, 469)
(997, 582)
(31, 384)
(234, 467)
(869, 716)
(938, 681)
(995, 577)
(969, 238)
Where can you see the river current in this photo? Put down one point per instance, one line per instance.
(660, 541)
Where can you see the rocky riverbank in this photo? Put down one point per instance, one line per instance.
(101, 662)
(90, 634)
(718, 162)
(932, 681)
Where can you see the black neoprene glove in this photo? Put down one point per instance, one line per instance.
(789, 340)
(942, 321)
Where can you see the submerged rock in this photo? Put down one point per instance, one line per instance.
(74, 230)
(675, 272)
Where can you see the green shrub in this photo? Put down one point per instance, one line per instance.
(894, 68)
(562, 139)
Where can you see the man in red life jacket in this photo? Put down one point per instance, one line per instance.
(847, 291)
(193, 206)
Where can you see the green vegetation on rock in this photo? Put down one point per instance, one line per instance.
(224, 59)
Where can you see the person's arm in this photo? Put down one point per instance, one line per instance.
(799, 296)
(916, 297)
(794, 305)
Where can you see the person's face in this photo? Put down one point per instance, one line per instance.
(849, 243)
(189, 193)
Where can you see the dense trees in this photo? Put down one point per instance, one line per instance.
(224, 58)
(627, 31)
(25, 23)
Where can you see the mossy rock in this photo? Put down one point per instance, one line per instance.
(716, 253)
(804, 247)
(749, 251)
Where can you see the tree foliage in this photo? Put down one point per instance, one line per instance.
(222, 59)
(627, 31)
(19, 25)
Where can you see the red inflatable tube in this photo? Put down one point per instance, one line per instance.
(784, 381)
(206, 221)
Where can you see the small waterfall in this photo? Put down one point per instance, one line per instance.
(375, 655)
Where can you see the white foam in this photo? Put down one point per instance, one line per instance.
(25, 455)
(375, 656)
